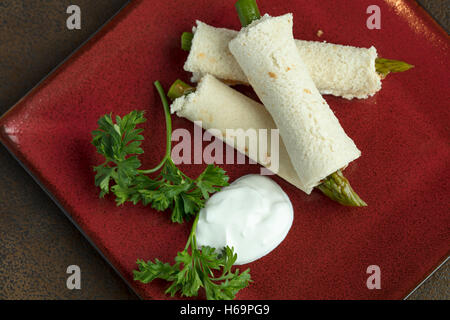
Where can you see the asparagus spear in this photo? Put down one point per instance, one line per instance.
(247, 11)
(186, 40)
(335, 186)
(385, 66)
(382, 66)
(178, 89)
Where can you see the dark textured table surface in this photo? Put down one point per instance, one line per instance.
(37, 241)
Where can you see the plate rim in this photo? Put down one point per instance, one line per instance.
(90, 40)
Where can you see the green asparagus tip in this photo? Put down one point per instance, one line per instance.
(385, 66)
(247, 11)
(186, 40)
(337, 188)
(178, 89)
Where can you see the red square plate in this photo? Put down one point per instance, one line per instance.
(402, 131)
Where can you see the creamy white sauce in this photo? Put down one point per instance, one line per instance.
(253, 215)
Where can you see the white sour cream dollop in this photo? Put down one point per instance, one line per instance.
(253, 215)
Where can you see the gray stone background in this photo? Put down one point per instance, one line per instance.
(37, 240)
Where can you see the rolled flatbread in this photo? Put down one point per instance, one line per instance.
(339, 70)
(220, 107)
(315, 141)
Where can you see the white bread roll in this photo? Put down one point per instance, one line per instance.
(339, 70)
(220, 107)
(316, 143)
(209, 54)
(343, 71)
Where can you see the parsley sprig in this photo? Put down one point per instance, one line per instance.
(119, 142)
(195, 269)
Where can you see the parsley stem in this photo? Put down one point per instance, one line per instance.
(165, 104)
(191, 239)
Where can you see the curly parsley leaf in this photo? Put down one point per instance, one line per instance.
(119, 142)
(210, 180)
(195, 270)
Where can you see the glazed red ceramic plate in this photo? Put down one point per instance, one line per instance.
(402, 132)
